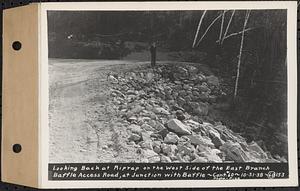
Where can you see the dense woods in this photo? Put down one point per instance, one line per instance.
(258, 111)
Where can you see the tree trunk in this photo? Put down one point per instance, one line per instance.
(240, 55)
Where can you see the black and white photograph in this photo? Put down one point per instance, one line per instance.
(182, 86)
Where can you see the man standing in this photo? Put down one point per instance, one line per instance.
(153, 54)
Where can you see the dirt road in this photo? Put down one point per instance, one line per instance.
(82, 124)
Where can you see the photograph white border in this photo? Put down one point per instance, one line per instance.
(291, 7)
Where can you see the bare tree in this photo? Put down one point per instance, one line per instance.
(198, 28)
(240, 54)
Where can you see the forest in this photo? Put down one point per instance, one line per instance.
(245, 49)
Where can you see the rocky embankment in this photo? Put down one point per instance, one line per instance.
(164, 110)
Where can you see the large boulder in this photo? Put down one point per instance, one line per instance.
(178, 127)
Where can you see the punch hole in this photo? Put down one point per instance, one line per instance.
(17, 148)
(17, 45)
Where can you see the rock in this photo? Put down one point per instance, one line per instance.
(149, 76)
(212, 80)
(193, 124)
(212, 99)
(190, 94)
(169, 150)
(180, 115)
(216, 138)
(165, 159)
(255, 149)
(186, 158)
(152, 123)
(212, 157)
(163, 133)
(182, 93)
(203, 97)
(188, 98)
(137, 109)
(196, 140)
(183, 140)
(166, 149)
(199, 160)
(112, 79)
(281, 159)
(234, 152)
(159, 126)
(171, 138)
(146, 145)
(200, 108)
(152, 156)
(200, 78)
(131, 143)
(217, 152)
(162, 111)
(192, 70)
(132, 119)
(227, 134)
(143, 160)
(271, 161)
(147, 127)
(135, 129)
(105, 147)
(146, 135)
(196, 93)
(181, 73)
(217, 141)
(202, 148)
(203, 88)
(186, 149)
(134, 137)
(156, 146)
(180, 101)
(143, 120)
(207, 141)
(149, 107)
(178, 127)
(186, 87)
(156, 136)
(176, 108)
(131, 92)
